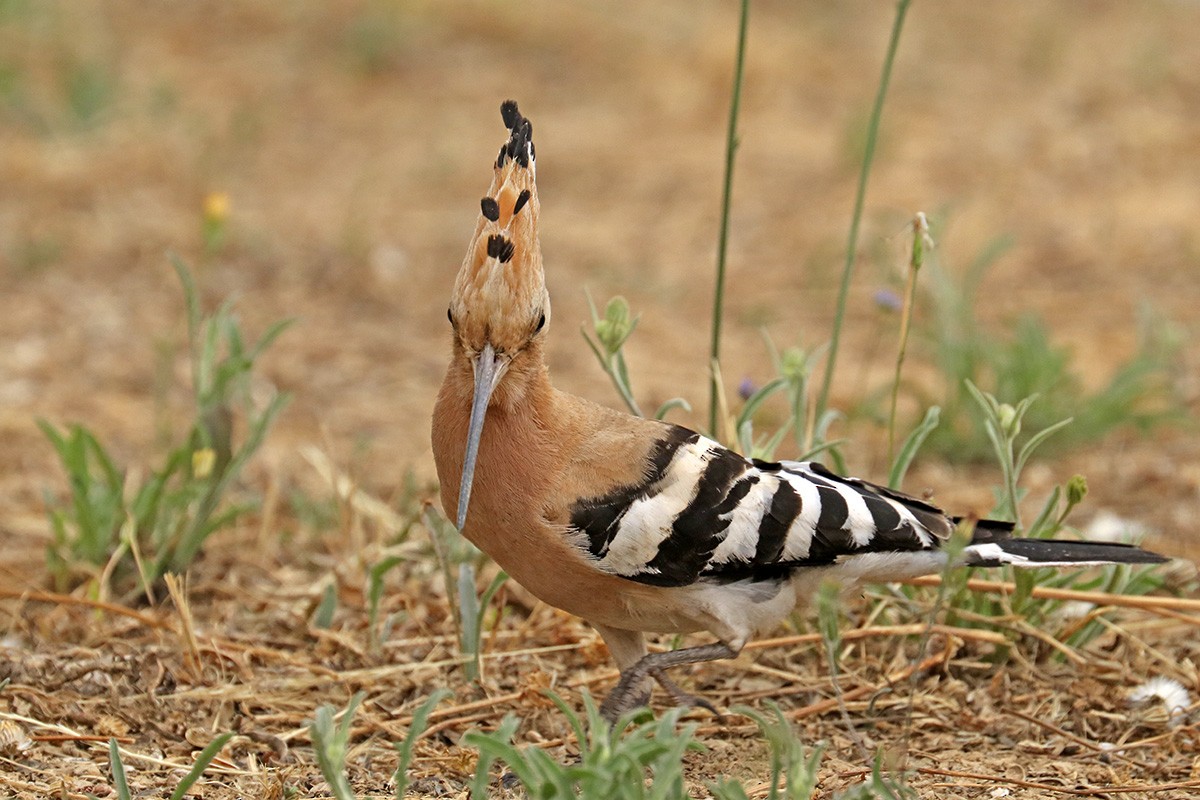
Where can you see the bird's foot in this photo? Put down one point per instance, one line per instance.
(682, 698)
(631, 692)
(629, 695)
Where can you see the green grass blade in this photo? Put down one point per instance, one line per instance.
(1042, 526)
(343, 729)
(473, 608)
(323, 617)
(269, 338)
(468, 610)
(496, 746)
(202, 761)
(757, 399)
(572, 718)
(731, 146)
(56, 438)
(118, 771)
(671, 405)
(824, 447)
(405, 748)
(912, 445)
(859, 199)
(1036, 440)
(329, 744)
(192, 301)
(375, 593)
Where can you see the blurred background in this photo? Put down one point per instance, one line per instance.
(324, 161)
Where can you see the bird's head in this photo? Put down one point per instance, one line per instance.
(500, 309)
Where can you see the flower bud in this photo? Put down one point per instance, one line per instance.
(1076, 490)
(1010, 425)
(216, 207)
(203, 461)
(614, 329)
(794, 364)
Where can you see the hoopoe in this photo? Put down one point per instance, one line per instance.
(637, 525)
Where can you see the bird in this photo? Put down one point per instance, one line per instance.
(641, 526)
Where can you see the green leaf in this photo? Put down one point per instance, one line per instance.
(405, 748)
(202, 761)
(473, 618)
(375, 590)
(912, 445)
(323, 616)
(671, 405)
(757, 399)
(1037, 439)
(1041, 528)
(329, 745)
(118, 770)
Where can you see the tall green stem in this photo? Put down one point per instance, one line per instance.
(731, 145)
(859, 197)
(921, 242)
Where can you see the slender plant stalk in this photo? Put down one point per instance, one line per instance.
(859, 197)
(731, 145)
(920, 242)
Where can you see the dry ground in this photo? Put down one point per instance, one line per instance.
(352, 140)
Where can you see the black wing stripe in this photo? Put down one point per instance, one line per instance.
(700, 527)
(886, 517)
(828, 544)
(773, 529)
(834, 510)
(601, 524)
(700, 510)
(600, 517)
(927, 515)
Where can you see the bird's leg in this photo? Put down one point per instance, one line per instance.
(629, 692)
(627, 648)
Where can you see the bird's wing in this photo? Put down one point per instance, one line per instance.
(703, 511)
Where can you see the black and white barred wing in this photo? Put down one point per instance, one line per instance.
(703, 511)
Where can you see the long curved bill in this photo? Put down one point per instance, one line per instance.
(488, 369)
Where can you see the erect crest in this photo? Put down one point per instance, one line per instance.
(500, 293)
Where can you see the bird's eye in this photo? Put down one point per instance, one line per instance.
(450, 316)
(541, 322)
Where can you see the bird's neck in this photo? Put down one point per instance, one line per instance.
(518, 445)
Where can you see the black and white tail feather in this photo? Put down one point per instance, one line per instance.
(704, 513)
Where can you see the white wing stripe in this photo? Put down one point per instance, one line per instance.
(799, 536)
(741, 539)
(649, 519)
(859, 521)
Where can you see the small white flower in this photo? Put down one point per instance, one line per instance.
(1075, 609)
(1109, 527)
(1171, 692)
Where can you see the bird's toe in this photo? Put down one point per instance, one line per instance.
(685, 699)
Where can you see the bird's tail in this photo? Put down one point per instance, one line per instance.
(993, 545)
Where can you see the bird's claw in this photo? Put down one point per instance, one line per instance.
(685, 699)
(628, 696)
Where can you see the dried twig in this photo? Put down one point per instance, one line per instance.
(862, 691)
(1079, 740)
(913, 629)
(177, 588)
(1147, 602)
(69, 600)
(1047, 787)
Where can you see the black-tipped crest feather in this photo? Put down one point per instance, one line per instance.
(520, 139)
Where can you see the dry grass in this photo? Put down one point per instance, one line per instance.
(352, 183)
(244, 657)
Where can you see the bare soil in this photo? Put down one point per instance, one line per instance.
(352, 140)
